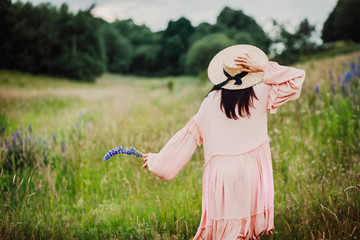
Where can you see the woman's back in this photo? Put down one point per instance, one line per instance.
(224, 136)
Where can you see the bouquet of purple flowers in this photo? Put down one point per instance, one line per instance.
(122, 150)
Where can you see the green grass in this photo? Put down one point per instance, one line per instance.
(75, 195)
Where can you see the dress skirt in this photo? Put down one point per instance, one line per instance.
(238, 196)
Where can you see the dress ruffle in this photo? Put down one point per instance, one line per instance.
(246, 228)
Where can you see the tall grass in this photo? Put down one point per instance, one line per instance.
(75, 195)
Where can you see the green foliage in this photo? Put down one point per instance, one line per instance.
(296, 44)
(242, 28)
(343, 22)
(79, 66)
(175, 44)
(170, 85)
(145, 47)
(44, 39)
(118, 50)
(203, 50)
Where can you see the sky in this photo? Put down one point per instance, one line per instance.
(157, 13)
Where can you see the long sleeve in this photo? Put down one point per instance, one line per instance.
(285, 84)
(177, 152)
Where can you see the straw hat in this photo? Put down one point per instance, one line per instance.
(223, 72)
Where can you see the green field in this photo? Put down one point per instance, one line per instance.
(55, 185)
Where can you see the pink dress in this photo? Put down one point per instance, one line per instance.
(238, 190)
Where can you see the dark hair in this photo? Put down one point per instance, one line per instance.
(242, 99)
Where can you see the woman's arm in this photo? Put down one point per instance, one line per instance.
(285, 82)
(176, 153)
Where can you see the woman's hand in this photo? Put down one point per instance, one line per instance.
(145, 158)
(249, 64)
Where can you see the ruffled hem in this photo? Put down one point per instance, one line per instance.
(246, 228)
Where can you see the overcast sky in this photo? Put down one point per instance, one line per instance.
(156, 13)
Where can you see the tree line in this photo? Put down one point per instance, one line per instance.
(45, 39)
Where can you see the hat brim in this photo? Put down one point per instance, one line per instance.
(227, 57)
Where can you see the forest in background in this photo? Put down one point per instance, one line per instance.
(45, 39)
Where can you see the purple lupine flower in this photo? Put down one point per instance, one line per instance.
(7, 144)
(77, 125)
(348, 76)
(332, 87)
(339, 80)
(18, 134)
(120, 150)
(63, 146)
(3, 128)
(353, 69)
(54, 137)
(343, 88)
(30, 128)
(317, 89)
(331, 76)
(13, 139)
(352, 65)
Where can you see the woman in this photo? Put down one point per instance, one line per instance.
(238, 191)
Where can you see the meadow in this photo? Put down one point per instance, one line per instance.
(55, 185)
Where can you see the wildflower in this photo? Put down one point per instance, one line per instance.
(121, 150)
(317, 89)
(7, 144)
(13, 139)
(331, 76)
(18, 134)
(348, 76)
(3, 128)
(63, 146)
(30, 128)
(353, 68)
(332, 87)
(77, 126)
(54, 137)
(343, 88)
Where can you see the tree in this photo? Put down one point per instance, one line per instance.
(44, 39)
(295, 44)
(343, 22)
(119, 50)
(145, 46)
(203, 50)
(175, 44)
(242, 28)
